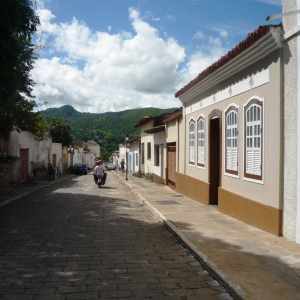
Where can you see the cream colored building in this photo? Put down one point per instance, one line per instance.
(153, 145)
(231, 148)
(28, 157)
(57, 156)
(173, 139)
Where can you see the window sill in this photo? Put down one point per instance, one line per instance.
(232, 175)
(201, 167)
(253, 180)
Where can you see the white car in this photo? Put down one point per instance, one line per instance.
(111, 167)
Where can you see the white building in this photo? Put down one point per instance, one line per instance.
(291, 78)
(56, 155)
(153, 145)
(23, 157)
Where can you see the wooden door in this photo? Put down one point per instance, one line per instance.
(215, 155)
(171, 165)
(24, 165)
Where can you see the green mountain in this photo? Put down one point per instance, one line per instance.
(108, 129)
(66, 112)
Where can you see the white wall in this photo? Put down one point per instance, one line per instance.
(291, 202)
(95, 148)
(147, 167)
(56, 148)
(39, 151)
(136, 158)
(159, 139)
(122, 154)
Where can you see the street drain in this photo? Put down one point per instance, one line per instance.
(167, 202)
(177, 196)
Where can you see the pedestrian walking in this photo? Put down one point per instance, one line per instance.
(123, 165)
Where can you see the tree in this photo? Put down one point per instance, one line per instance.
(86, 148)
(60, 130)
(18, 23)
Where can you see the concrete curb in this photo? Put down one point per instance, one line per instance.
(12, 199)
(231, 285)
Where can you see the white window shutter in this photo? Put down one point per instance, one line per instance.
(249, 161)
(256, 162)
(229, 158)
(234, 159)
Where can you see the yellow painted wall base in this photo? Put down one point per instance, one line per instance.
(156, 179)
(193, 188)
(249, 211)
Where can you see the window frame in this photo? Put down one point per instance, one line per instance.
(136, 160)
(249, 176)
(149, 151)
(230, 172)
(200, 165)
(192, 163)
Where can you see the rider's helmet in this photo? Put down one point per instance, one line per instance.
(100, 162)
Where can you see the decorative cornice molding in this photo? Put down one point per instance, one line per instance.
(263, 47)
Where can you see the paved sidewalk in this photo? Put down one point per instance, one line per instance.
(15, 192)
(249, 262)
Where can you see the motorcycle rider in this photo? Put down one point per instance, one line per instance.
(51, 171)
(99, 170)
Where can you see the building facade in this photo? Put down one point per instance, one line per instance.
(231, 154)
(291, 70)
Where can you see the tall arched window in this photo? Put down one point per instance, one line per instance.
(192, 142)
(253, 156)
(200, 142)
(231, 145)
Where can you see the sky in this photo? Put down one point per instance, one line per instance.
(113, 55)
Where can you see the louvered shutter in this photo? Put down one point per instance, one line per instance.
(231, 141)
(234, 159)
(200, 141)
(253, 142)
(192, 142)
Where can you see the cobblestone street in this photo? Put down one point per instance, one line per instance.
(76, 241)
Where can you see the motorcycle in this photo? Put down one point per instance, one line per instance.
(51, 172)
(100, 181)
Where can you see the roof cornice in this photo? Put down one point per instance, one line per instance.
(263, 47)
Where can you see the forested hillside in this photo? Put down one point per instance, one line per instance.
(107, 129)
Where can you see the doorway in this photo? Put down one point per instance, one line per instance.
(24, 169)
(215, 155)
(162, 163)
(171, 165)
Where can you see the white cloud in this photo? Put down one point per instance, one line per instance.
(199, 35)
(109, 28)
(171, 18)
(272, 2)
(223, 33)
(149, 15)
(99, 71)
(210, 51)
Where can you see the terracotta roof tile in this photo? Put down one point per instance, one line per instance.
(78, 144)
(149, 118)
(252, 38)
(173, 117)
(160, 128)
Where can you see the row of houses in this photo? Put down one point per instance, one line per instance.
(23, 158)
(230, 145)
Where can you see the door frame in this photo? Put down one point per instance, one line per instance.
(215, 113)
(174, 144)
